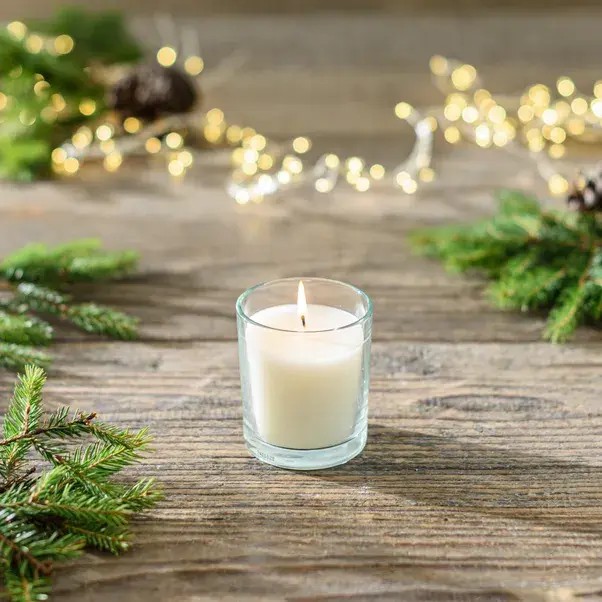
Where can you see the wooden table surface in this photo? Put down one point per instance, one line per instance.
(482, 477)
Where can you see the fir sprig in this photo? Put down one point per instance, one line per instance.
(37, 276)
(536, 260)
(77, 261)
(50, 516)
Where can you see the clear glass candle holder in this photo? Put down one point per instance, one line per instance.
(305, 371)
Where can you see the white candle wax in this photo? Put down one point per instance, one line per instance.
(306, 384)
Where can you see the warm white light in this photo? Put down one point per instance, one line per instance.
(579, 106)
(565, 86)
(355, 164)
(194, 65)
(463, 77)
(377, 171)
(452, 112)
(292, 164)
(63, 44)
(452, 134)
(166, 56)
(301, 303)
(104, 132)
(549, 117)
(257, 142)
(323, 185)
(409, 186)
(403, 110)
(17, 29)
(438, 64)
(558, 184)
(176, 167)
(470, 114)
(174, 140)
(131, 125)
(597, 107)
(284, 177)
(86, 107)
(301, 144)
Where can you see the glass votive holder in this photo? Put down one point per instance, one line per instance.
(305, 371)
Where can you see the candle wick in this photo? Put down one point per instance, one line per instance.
(303, 320)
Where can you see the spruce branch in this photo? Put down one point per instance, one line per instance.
(77, 261)
(24, 330)
(37, 276)
(90, 317)
(22, 417)
(535, 259)
(16, 357)
(48, 516)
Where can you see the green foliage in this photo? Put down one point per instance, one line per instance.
(51, 516)
(24, 330)
(42, 89)
(77, 261)
(536, 260)
(14, 357)
(37, 276)
(99, 37)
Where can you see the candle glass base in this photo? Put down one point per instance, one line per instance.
(306, 459)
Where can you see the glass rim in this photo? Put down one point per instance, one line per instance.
(244, 296)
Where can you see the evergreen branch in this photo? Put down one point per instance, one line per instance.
(16, 357)
(58, 425)
(22, 540)
(565, 316)
(103, 320)
(78, 261)
(535, 260)
(31, 270)
(22, 417)
(87, 316)
(51, 517)
(101, 460)
(66, 502)
(107, 539)
(54, 428)
(536, 289)
(25, 589)
(24, 330)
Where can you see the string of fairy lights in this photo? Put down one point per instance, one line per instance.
(538, 123)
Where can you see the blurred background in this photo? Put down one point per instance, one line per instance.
(356, 55)
(334, 69)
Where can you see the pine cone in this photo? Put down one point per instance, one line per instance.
(587, 196)
(150, 91)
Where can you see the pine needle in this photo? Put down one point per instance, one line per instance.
(39, 276)
(535, 260)
(74, 504)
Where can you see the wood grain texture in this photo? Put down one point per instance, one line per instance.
(482, 478)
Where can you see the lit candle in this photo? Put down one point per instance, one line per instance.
(307, 379)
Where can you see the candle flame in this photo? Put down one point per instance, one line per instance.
(301, 303)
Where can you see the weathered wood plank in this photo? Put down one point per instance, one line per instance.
(482, 478)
